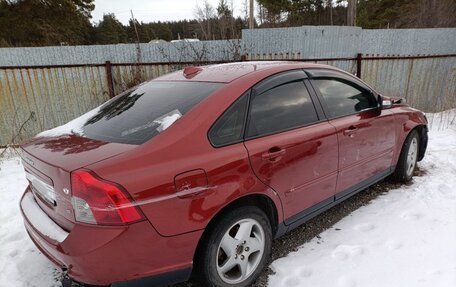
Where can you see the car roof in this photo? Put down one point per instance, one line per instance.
(225, 73)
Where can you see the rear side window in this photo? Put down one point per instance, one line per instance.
(140, 114)
(281, 108)
(229, 128)
(344, 99)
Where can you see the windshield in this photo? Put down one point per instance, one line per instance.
(138, 115)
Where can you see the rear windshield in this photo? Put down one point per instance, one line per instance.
(140, 114)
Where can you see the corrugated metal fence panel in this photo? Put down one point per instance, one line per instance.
(442, 120)
(222, 50)
(309, 41)
(54, 96)
(33, 100)
(306, 41)
(127, 76)
(43, 98)
(333, 41)
(349, 66)
(428, 84)
(409, 41)
(346, 65)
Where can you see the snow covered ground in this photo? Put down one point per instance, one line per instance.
(21, 264)
(406, 237)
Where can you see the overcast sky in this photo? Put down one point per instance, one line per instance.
(154, 10)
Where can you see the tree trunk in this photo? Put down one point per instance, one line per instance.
(251, 19)
(351, 13)
(330, 6)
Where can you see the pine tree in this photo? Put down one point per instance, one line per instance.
(45, 22)
(110, 31)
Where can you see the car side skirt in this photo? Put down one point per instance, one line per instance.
(300, 218)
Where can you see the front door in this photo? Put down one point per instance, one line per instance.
(365, 134)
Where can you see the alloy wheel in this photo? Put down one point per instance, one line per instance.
(240, 251)
(411, 156)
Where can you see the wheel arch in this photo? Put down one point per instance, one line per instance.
(422, 131)
(407, 128)
(262, 201)
(423, 137)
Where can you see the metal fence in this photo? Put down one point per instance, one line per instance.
(41, 88)
(36, 98)
(426, 82)
(306, 42)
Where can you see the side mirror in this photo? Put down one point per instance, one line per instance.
(385, 103)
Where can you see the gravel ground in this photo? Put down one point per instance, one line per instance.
(312, 228)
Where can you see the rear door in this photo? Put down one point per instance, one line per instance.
(292, 148)
(365, 132)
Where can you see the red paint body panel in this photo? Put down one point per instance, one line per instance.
(366, 145)
(229, 177)
(57, 177)
(181, 182)
(306, 173)
(71, 152)
(105, 255)
(406, 119)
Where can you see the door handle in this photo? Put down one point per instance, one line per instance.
(273, 153)
(350, 131)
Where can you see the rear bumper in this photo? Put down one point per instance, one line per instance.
(117, 256)
(164, 279)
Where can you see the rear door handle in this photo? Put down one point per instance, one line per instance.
(350, 131)
(273, 153)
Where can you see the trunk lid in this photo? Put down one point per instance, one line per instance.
(48, 163)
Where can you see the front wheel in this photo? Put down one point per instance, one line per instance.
(236, 249)
(408, 158)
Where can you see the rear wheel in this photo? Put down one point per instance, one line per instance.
(408, 158)
(236, 249)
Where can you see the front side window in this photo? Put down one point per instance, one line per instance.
(140, 114)
(344, 99)
(281, 108)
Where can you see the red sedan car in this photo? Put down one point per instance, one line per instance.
(201, 169)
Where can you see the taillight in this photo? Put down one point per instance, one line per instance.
(97, 201)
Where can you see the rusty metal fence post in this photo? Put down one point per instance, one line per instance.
(359, 59)
(109, 78)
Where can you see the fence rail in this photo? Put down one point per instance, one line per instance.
(39, 97)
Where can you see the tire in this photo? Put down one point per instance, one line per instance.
(406, 164)
(236, 249)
